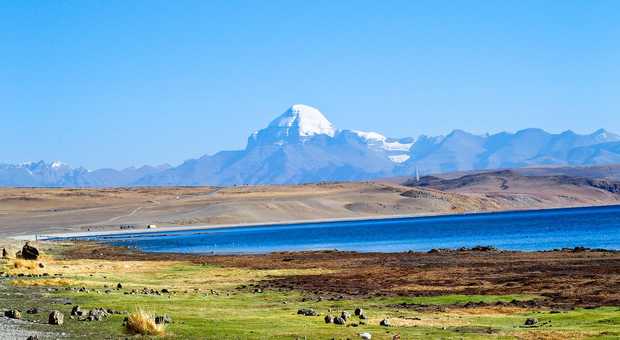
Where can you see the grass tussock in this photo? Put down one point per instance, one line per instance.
(143, 322)
(24, 264)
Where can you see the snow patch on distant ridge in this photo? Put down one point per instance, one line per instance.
(399, 158)
(386, 144)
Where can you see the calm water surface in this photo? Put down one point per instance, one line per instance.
(595, 227)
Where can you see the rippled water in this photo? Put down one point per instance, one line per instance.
(595, 227)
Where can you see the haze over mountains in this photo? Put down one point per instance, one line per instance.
(302, 146)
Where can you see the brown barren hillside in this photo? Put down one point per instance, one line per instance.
(41, 211)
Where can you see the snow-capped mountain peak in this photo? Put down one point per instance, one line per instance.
(305, 120)
(57, 164)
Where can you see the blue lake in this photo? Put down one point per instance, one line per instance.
(594, 227)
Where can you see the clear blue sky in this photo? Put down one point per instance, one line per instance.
(120, 83)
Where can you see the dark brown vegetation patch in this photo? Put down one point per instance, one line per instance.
(565, 278)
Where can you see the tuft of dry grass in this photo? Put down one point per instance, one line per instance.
(24, 264)
(143, 322)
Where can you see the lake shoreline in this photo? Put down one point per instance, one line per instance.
(170, 228)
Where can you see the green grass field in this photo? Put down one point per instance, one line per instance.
(208, 304)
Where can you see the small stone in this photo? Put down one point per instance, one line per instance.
(307, 312)
(41, 265)
(365, 336)
(32, 337)
(345, 315)
(329, 319)
(531, 321)
(56, 318)
(76, 311)
(385, 323)
(119, 286)
(33, 310)
(163, 319)
(339, 321)
(96, 314)
(359, 311)
(5, 254)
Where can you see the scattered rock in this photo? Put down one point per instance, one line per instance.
(96, 314)
(13, 314)
(56, 318)
(307, 312)
(339, 321)
(5, 254)
(119, 286)
(165, 291)
(363, 317)
(33, 310)
(329, 319)
(365, 336)
(32, 337)
(163, 319)
(29, 252)
(531, 321)
(41, 265)
(359, 311)
(385, 323)
(345, 315)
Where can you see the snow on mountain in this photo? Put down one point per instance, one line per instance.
(301, 145)
(57, 164)
(305, 121)
(396, 150)
(298, 124)
(399, 158)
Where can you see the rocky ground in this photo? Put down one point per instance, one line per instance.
(468, 293)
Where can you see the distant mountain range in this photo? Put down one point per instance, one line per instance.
(302, 146)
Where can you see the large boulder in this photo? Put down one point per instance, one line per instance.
(29, 252)
(13, 314)
(56, 318)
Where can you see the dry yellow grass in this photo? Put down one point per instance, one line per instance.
(142, 322)
(44, 282)
(24, 264)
